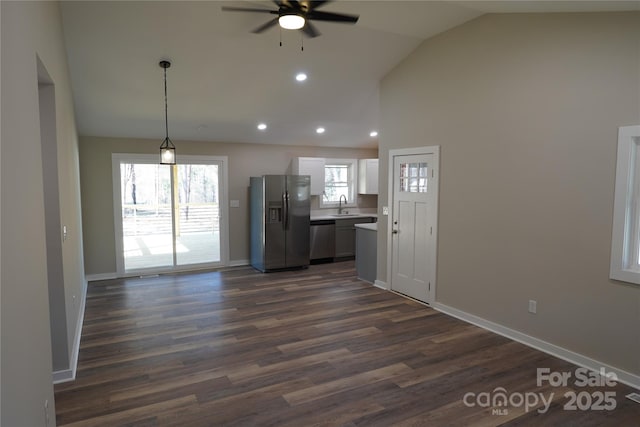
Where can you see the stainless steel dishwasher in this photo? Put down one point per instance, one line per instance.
(323, 240)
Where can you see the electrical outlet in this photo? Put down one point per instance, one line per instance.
(64, 233)
(385, 210)
(533, 306)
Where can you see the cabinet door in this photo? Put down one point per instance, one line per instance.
(345, 240)
(346, 236)
(314, 167)
(368, 176)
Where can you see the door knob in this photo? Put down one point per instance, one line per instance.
(395, 231)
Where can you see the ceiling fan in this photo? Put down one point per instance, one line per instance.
(295, 15)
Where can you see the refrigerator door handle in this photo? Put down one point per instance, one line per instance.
(287, 217)
(285, 211)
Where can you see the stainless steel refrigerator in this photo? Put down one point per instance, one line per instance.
(280, 207)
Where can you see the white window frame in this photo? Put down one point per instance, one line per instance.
(625, 240)
(352, 182)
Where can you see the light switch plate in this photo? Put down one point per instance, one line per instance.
(234, 203)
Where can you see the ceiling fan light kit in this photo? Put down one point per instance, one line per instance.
(291, 21)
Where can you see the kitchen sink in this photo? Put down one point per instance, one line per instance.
(343, 215)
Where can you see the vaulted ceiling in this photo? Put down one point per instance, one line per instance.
(225, 80)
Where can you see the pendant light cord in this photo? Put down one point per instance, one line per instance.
(166, 108)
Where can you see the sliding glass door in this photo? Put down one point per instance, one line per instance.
(197, 214)
(147, 234)
(168, 217)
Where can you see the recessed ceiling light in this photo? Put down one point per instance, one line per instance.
(262, 126)
(373, 134)
(301, 77)
(320, 130)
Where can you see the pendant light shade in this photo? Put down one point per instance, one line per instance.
(167, 153)
(167, 149)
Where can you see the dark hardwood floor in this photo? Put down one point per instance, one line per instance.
(313, 347)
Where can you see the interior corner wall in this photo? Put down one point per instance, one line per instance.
(245, 160)
(526, 108)
(32, 30)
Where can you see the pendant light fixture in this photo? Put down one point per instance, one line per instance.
(167, 149)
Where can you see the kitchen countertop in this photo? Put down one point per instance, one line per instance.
(349, 216)
(373, 226)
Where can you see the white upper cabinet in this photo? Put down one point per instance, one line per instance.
(368, 176)
(312, 166)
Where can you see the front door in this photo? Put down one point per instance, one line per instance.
(413, 224)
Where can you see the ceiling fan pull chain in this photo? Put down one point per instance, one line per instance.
(280, 36)
(301, 42)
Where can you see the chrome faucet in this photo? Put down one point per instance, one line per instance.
(340, 203)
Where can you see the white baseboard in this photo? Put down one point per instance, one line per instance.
(380, 284)
(624, 377)
(63, 376)
(110, 276)
(70, 374)
(101, 276)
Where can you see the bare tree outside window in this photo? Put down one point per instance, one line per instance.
(337, 183)
(170, 214)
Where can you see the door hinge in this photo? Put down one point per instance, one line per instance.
(433, 171)
(431, 230)
(429, 286)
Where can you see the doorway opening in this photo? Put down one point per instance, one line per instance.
(55, 232)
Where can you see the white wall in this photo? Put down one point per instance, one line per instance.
(32, 31)
(526, 109)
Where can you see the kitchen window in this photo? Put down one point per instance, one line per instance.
(339, 182)
(625, 242)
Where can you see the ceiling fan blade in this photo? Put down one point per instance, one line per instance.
(266, 26)
(310, 30)
(333, 17)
